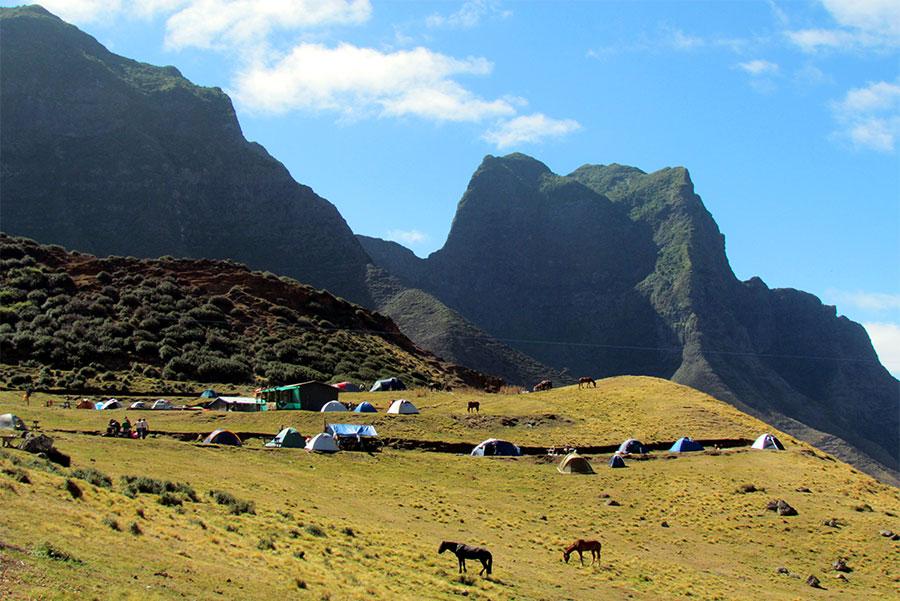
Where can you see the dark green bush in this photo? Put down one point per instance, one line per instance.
(93, 476)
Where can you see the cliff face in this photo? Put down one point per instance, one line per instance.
(110, 156)
(611, 270)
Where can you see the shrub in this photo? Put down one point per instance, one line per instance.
(168, 499)
(104, 277)
(92, 476)
(134, 529)
(235, 506)
(132, 485)
(17, 474)
(315, 530)
(73, 489)
(112, 523)
(48, 551)
(266, 543)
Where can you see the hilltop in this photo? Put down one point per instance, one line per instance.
(357, 525)
(70, 321)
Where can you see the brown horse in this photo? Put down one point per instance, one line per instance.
(464, 552)
(543, 385)
(473, 406)
(585, 381)
(581, 546)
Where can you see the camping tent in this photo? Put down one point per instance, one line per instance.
(632, 446)
(768, 442)
(402, 406)
(493, 447)
(209, 393)
(139, 405)
(348, 387)
(223, 437)
(617, 461)
(110, 404)
(161, 404)
(85, 404)
(288, 438)
(354, 430)
(388, 384)
(683, 445)
(322, 443)
(333, 406)
(8, 421)
(366, 407)
(573, 463)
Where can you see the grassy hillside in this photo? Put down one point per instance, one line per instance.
(358, 526)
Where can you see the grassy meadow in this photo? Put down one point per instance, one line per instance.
(360, 526)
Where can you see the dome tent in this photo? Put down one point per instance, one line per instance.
(288, 438)
(573, 463)
(768, 442)
(209, 393)
(348, 387)
(632, 445)
(388, 384)
(333, 406)
(322, 443)
(223, 437)
(110, 404)
(685, 444)
(8, 421)
(402, 407)
(161, 404)
(617, 461)
(365, 407)
(493, 447)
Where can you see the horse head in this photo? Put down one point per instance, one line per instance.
(566, 554)
(445, 545)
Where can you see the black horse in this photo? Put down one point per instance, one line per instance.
(464, 552)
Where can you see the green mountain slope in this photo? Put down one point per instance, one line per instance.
(613, 271)
(133, 159)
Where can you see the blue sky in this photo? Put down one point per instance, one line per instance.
(787, 114)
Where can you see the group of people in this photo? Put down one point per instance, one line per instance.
(141, 428)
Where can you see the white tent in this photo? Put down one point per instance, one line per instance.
(8, 421)
(322, 443)
(403, 407)
(139, 405)
(111, 404)
(161, 404)
(768, 442)
(333, 406)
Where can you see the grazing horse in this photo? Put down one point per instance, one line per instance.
(543, 385)
(464, 552)
(581, 546)
(473, 406)
(585, 381)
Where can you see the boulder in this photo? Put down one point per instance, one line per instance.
(37, 444)
(813, 582)
(781, 507)
(840, 565)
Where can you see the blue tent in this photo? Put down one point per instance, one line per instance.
(617, 461)
(209, 393)
(360, 430)
(683, 445)
(365, 407)
(493, 447)
(388, 384)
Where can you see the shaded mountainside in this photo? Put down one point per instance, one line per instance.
(133, 159)
(612, 271)
(446, 333)
(190, 319)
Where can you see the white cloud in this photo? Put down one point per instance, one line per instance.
(861, 24)
(886, 340)
(225, 23)
(468, 16)
(870, 116)
(83, 11)
(759, 67)
(870, 301)
(529, 129)
(407, 236)
(357, 82)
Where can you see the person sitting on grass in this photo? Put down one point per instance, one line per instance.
(126, 427)
(112, 428)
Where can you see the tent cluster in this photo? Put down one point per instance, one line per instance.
(158, 404)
